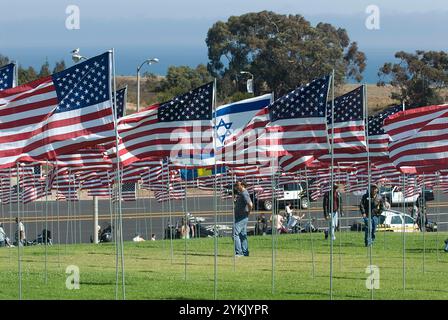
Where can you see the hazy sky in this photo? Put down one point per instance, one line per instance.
(175, 30)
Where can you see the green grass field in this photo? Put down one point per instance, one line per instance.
(155, 270)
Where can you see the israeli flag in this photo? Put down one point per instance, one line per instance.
(232, 118)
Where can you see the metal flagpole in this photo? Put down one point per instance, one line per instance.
(310, 220)
(57, 211)
(16, 74)
(112, 224)
(168, 229)
(273, 228)
(403, 236)
(120, 211)
(68, 223)
(146, 217)
(112, 91)
(10, 207)
(19, 240)
(331, 194)
(170, 209)
(70, 205)
(35, 204)
(114, 193)
(233, 220)
(437, 198)
(186, 222)
(46, 230)
(423, 219)
(215, 198)
(404, 227)
(79, 214)
(369, 182)
(339, 223)
(149, 205)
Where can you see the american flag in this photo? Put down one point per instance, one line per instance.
(7, 76)
(419, 137)
(128, 191)
(298, 120)
(290, 163)
(411, 187)
(104, 191)
(34, 184)
(86, 159)
(37, 191)
(349, 141)
(133, 174)
(57, 114)
(378, 139)
(443, 183)
(294, 124)
(65, 184)
(267, 194)
(30, 178)
(94, 179)
(180, 129)
(5, 189)
(120, 106)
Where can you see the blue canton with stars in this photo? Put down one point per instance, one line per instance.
(121, 103)
(223, 130)
(348, 107)
(376, 122)
(308, 101)
(7, 76)
(84, 84)
(193, 105)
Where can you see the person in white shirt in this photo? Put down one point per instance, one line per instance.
(289, 211)
(2, 236)
(20, 234)
(277, 223)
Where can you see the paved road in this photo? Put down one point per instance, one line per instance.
(73, 222)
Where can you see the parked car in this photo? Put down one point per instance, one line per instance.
(394, 195)
(294, 192)
(392, 221)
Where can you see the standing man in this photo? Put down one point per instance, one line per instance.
(376, 207)
(2, 236)
(337, 210)
(20, 234)
(243, 206)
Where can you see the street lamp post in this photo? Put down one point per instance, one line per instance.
(149, 62)
(252, 81)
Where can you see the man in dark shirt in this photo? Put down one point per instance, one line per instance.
(337, 210)
(376, 208)
(242, 208)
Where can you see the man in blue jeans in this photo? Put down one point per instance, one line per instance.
(243, 206)
(376, 208)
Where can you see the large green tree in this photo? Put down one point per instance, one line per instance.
(3, 60)
(181, 79)
(281, 51)
(418, 78)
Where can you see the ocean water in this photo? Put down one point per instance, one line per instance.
(128, 58)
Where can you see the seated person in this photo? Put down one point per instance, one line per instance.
(288, 210)
(261, 226)
(277, 223)
(184, 230)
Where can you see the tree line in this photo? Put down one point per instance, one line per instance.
(282, 52)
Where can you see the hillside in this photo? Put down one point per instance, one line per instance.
(378, 97)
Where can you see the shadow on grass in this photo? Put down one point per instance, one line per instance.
(97, 283)
(206, 255)
(418, 250)
(308, 294)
